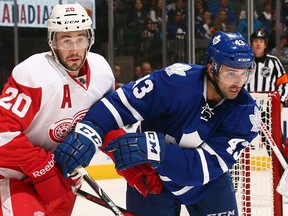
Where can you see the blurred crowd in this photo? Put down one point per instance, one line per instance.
(139, 23)
(138, 27)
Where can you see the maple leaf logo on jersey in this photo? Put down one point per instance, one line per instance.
(216, 40)
(255, 120)
(178, 69)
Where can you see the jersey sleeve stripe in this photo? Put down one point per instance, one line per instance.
(127, 105)
(6, 137)
(114, 112)
(182, 191)
(6, 197)
(191, 140)
(204, 165)
(165, 178)
(10, 173)
(222, 164)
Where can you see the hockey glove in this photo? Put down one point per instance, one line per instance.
(47, 179)
(79, 147)
(138, 148)
(141, 177)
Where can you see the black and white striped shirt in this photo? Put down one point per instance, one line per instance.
(268, 70)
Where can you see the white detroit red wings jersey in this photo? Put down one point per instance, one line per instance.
(41, 103)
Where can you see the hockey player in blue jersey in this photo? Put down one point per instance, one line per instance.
(194, 123)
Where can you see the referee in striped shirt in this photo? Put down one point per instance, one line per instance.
(270, 74)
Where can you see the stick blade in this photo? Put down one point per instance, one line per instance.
(282, 187)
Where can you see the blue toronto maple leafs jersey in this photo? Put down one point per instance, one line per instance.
(203, 142)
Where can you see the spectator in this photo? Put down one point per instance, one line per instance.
(176, 26)
(222, 22)
(117, 75)
(283, 51)
(177, 5)
(146, 68)
(284, 15)
(155, 13)
(137, 71)
(135, 21)
(269, 72)
(272, 36)
(199, 10)
(211, 4)
(151, 43)
(266, 16)
(242, 26)
(203, 26)
(149, 4)
(119, 22)
(225, 4)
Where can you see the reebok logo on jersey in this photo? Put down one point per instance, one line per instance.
(43, 171)
(153, 147)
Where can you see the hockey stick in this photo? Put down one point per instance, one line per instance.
(274, 146)
(98, 201)
(93, 184)
(282, 187)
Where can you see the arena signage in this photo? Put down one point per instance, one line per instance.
(31, 13)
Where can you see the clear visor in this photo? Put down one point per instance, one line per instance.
(236, 75)
(67, 43)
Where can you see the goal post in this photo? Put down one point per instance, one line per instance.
(258, 171)
(276, 132)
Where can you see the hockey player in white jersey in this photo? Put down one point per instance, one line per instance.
(46, 95)
(195, 122)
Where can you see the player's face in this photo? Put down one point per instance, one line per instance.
(231, 80)
(70, 48)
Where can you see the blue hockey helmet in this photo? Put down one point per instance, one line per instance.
(230, 49)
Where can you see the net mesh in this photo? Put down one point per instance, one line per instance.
(253, 175)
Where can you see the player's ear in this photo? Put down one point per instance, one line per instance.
(209, 72)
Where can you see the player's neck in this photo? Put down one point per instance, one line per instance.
(74, 73)
(259, 54)
(212, 94)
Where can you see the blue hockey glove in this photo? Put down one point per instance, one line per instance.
(138, 148)
(79, 147)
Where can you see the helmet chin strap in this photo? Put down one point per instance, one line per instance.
(216, 86)
(215, 70)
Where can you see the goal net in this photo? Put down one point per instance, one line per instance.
(257, 173)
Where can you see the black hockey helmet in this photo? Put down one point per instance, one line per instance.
(259, 34)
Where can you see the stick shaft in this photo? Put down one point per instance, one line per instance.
(282, 187)
(273, 145)
(98, 201)
(93, 184)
